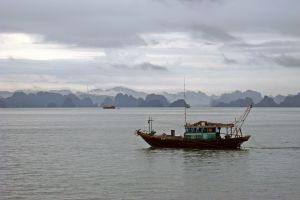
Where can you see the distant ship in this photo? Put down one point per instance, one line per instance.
(200, 135)
(109, 107)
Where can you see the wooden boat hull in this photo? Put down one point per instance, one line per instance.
(167, 141)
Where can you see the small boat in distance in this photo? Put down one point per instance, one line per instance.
(109, 107)
(200, 135)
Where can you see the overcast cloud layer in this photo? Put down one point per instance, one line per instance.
(219, 45)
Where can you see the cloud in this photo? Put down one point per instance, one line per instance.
(32, 47)
(277, 45)
(75, 74)
(114, 23)
(287, 61)
(83, 23)
(121, 66)
(192, 1)
(211, 33)
(229, 60)
(146, 66)
(150, 67)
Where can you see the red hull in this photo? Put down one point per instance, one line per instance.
(167, 141)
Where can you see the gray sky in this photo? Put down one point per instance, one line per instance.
(219, 45)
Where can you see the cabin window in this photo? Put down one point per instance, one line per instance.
(194, 130)
(205, 130)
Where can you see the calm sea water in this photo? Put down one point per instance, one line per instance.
(94, 154)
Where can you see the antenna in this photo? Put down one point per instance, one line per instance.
(150, 120)
(149, 124)
(184, 100)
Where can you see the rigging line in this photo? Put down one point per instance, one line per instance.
(184, 100)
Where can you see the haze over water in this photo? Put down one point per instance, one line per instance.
(91, 153)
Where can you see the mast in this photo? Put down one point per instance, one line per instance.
(184, 100)
(149, 123)
(150, 120)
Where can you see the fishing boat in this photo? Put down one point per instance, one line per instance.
(200, 135)
(109, 107)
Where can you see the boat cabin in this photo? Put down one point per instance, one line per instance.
(205, 130)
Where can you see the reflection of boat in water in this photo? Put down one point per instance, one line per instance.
(109, 107)
(200, 135)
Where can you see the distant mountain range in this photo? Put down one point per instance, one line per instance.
(44, 99)
(236, 95)
(289, 101)
(126, 97)
(50, 99)
(151, 100)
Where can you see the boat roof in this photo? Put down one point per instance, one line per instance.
(206, 124)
